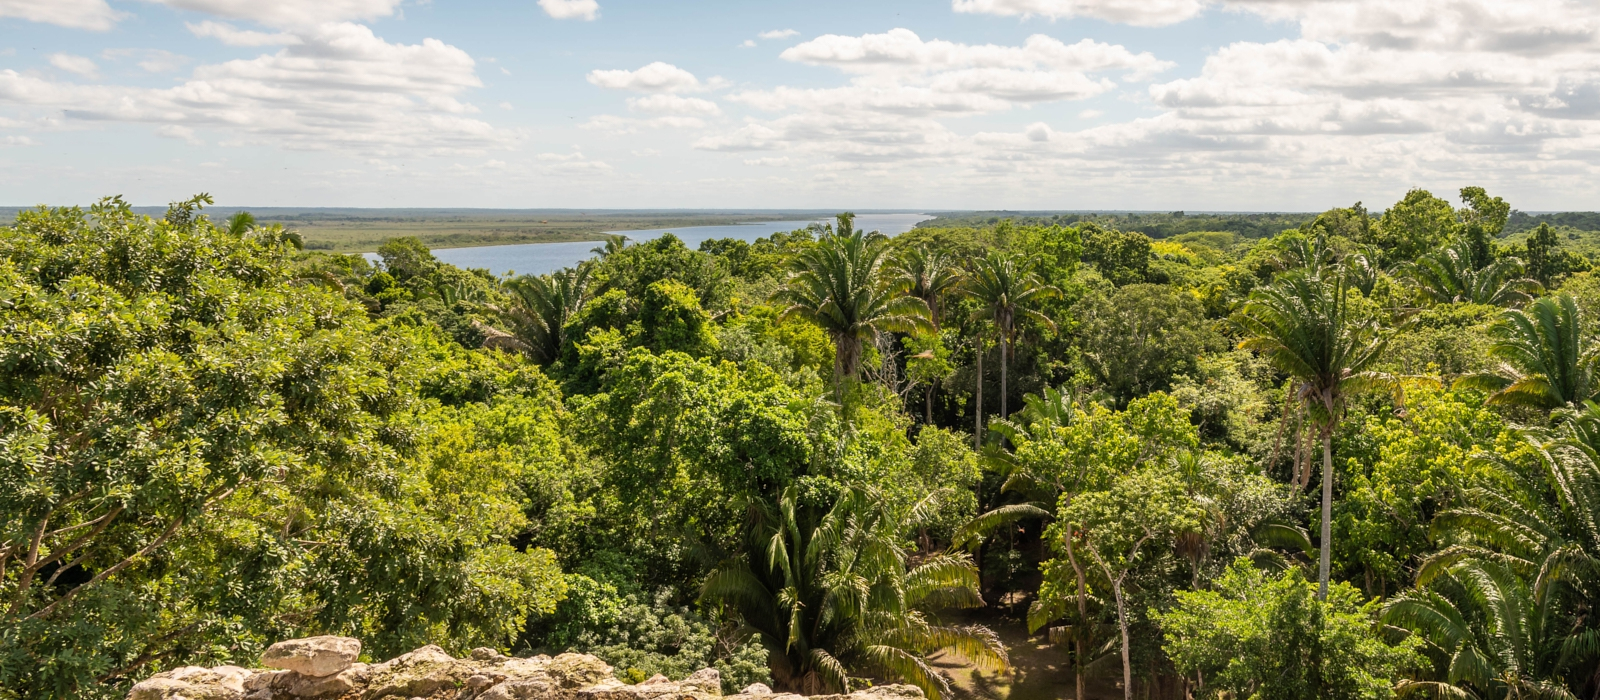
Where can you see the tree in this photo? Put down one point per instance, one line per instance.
(542, 305)
(1268, 637)
(928, 274)
(1138, 337)
(1548, 357)
(1416, 224)
(1547, 262)
(198, 454)
(1304, 326)
(1448, 276)
(1123, 257)
(830, 591)
(1143, 508)
(840, 285)
(1007, 289)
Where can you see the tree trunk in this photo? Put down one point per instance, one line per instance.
(1005, 346)
(1326, 559)
(977, 429)
(927, 411)
(1122, 624)
(1083, 614)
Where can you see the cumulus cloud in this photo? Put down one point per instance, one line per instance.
(673, 104)
(79, 65)
(658, 77)
(571, 9)
(341, 88)
(233, 36)
(899, 72)
(1143, 13)
(76, 14)
(150, 60)
(289, 13)
(778, 34)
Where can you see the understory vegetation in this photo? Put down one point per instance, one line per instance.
(1348, 455)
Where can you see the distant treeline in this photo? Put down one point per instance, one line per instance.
(1580, 220)
(1155, 225)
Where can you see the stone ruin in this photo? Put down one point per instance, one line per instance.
(325, 668)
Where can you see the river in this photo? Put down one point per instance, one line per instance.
(539, 258)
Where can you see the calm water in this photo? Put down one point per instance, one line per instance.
(539, 258)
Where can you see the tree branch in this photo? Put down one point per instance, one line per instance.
(216, 497)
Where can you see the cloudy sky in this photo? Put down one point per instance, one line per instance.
(934, 104)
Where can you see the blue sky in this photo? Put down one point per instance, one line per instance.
(934, 104)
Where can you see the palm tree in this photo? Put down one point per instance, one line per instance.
(839, 284)
(1547, 359)
(1006, 288)
(1491, 634)
(1508, 604)
(927, 274)
(834, 591)
(1304, 326)
(612, 245)
(543, 304)
(1447, 277)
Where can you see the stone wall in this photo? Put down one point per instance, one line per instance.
(325, 668)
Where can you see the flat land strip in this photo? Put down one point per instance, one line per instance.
(363, 230)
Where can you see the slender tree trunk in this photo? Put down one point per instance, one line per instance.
(1326, 560)
(1083, 614)
(977, 429)
(1005, 347)
(927, 411)
(1122, 624)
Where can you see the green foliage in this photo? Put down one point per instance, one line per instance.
(641, 636)
(1269, 638)
(1415, 225)
(1121, 256)
(1548, 359)
(670, 319)
(1138, 337)
(830, 591)
(200, 457)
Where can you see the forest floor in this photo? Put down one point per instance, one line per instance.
(1038, 670)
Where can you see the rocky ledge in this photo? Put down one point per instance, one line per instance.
(325, 668)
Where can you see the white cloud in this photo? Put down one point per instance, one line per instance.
(658, 77)
(76, 14)
(747, 44)
(778, 34)
(613, 124)
(1143, 13)
(289, 13)
(17, 141)
(233, 36)
(898, 72)
(769, 162)
(79, 65)
(673, 104)
(342, 88)
(506, 106)
(151, 60)
(1090, 114)
(571, 9)
(174, 131)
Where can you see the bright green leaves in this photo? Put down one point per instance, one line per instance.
(1268, 637)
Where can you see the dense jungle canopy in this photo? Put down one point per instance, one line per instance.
(1346, 455)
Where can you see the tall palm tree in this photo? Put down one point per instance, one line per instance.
(834, 591)
(613, 245)
(1304, 326)
(1007, 288)
(541, 306)
(927, 274)
(1447, 277)
(840, 284)
(1548, 361)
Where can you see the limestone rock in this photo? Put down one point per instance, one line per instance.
(313, 656)
(756, 689)
(658, 678)
(705, 680)
(417, 673)
(578, 670)
(193, 683)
